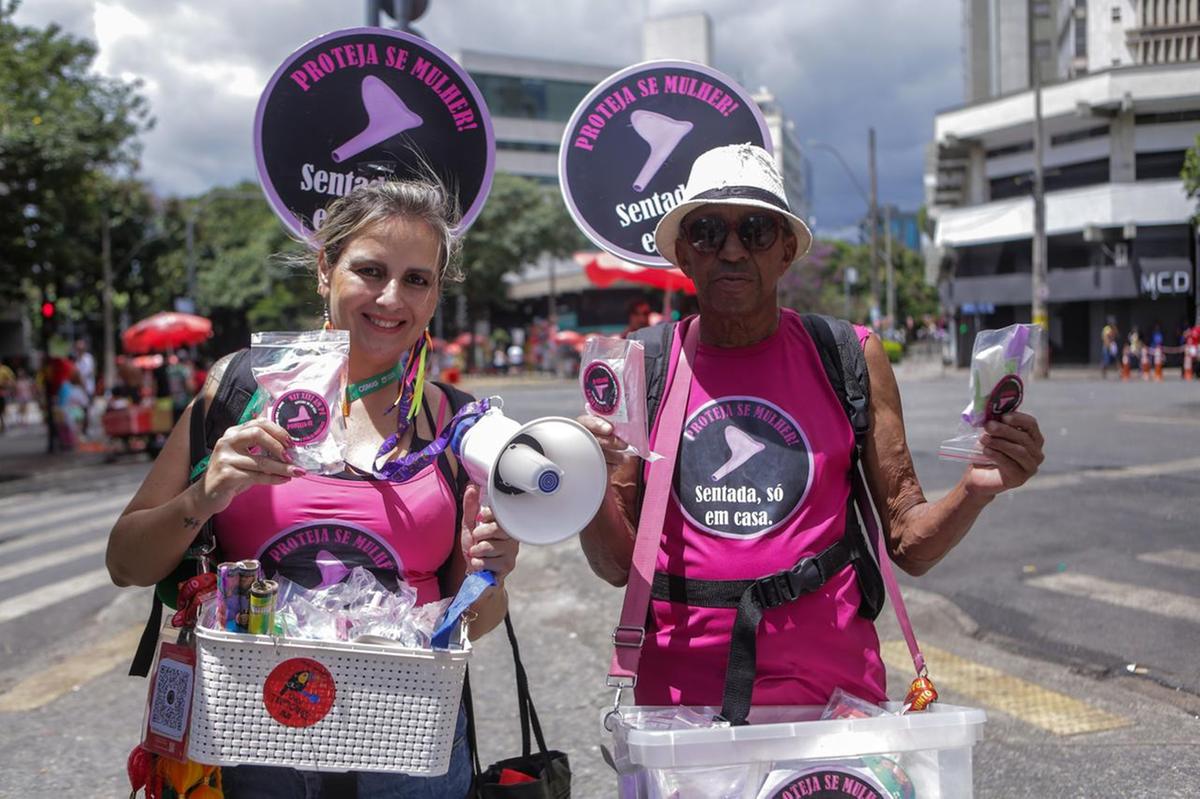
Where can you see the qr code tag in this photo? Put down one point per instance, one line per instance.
(169, 706)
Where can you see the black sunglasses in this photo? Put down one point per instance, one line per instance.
(757, 232)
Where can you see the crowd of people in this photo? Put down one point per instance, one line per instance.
(1148, 355)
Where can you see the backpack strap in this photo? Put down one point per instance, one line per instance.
(656, 343)
(845, 368)
(236, 400)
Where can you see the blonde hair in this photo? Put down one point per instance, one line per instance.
(425, 199)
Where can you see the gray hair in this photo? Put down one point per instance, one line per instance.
(425, 199)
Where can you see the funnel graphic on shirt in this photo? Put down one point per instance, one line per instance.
(742, 447)
(318, 554)
(663, 134)
(387, 116)
(745, 467)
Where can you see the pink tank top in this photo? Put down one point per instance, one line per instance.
(315, 529)
(762, 481)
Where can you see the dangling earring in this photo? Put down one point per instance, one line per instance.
(328, 322)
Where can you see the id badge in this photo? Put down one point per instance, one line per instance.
(169, 705)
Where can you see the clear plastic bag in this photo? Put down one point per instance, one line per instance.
(304, 377)
(612, 378)
(1002, 363)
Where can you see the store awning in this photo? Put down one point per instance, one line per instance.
(603, 270)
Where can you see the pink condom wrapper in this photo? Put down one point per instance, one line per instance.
(612, 377)
(304, 376)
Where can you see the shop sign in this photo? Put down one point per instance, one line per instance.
(1166, 282)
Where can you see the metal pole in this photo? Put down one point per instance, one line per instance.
(1040, 290)
(888, 266)
(110, 354)
(372, 13)
(874, 222)
(190, 236)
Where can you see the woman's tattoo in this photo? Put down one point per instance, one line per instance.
(189, 522)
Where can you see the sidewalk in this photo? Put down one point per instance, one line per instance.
(23, 455)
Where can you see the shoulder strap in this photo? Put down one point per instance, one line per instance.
(234, 392)
(656, 342)
(845, 367)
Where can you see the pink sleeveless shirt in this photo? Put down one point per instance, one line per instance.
(315, 529)
(762, 481)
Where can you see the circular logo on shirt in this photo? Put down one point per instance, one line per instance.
(303, 414)
(601, 388)
(1005, 397)
(322, 553)
(745, 467)
(299, 692)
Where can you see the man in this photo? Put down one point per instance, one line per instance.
(764, 465)
(1108, 346)
(638, 311)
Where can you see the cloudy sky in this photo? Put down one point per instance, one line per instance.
(837, 67)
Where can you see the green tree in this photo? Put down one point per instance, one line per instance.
(521, 222)
(1191, 176)
(64, 131)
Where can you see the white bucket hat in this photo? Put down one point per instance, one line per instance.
(736, 174)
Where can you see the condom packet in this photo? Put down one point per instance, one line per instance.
(304, 377)
(1002, 363)
(612, 377)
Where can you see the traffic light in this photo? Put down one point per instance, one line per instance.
(47, 310)
(403, 12)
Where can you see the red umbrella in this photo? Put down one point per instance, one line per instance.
(604, 270)
(166, 331)
(572, 337)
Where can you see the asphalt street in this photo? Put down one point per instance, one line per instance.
(1070, 614)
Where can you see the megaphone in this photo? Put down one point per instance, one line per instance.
(663, 134)
(387, 116)
(544, 480)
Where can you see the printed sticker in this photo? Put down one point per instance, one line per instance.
(299, 692)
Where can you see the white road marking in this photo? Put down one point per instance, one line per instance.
(1126, 595)
(1180, 558)
(25, 542)
(48, 684)
(88, 511)
(47, 595)
(50, 559)
(1049, 482)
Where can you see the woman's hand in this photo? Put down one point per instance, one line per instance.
(254, 453)
(616, 451)
(1014, 444)
(485, 545)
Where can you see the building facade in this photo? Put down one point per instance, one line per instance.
(1120, 244)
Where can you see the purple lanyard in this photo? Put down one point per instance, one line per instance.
(403, 468)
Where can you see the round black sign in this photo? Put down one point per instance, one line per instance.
(368, 104)
(601, 388)
(745, 467)
(629, 147)
(303, 414)
(830, 783)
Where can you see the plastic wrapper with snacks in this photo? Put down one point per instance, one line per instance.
(304, 376)
(613, 380)
(1002, 363)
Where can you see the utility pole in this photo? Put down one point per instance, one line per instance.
(874, 222)
(110, 354)
(890, 268)
(1040, 290)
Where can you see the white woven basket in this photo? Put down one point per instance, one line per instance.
(394, 709)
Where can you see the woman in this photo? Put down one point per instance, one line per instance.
(381, 256)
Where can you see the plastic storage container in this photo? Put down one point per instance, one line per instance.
(916, 756)
(324, 705)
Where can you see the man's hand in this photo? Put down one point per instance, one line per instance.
(616, 451)
(1014, 444)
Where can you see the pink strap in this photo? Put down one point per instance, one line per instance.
(867, 510)
(443, 406)
(628, 636)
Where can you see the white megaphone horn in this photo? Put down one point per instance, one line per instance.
(544, 480)
(663, 134)
(387, 116)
